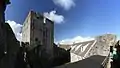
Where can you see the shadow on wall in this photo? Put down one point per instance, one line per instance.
(12, 48)
(61, 56)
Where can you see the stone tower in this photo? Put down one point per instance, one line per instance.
(38, 28)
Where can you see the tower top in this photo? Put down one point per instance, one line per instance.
(4, 2)
(7, 2)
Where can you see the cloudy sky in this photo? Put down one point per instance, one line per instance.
(75, 20)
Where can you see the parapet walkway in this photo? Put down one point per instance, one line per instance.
(91, 62)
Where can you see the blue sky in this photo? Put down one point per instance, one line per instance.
(73, 18)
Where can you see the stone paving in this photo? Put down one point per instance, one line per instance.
(91, 62)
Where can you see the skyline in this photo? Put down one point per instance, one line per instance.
(74, 19)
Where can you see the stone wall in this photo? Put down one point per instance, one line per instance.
(102, 46)
(8, 60)
(99, 46)
(80, 50)
(75, 57)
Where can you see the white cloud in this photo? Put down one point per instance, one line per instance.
(66, 4)
(54, 17)
(16, 29)
(75, 40)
